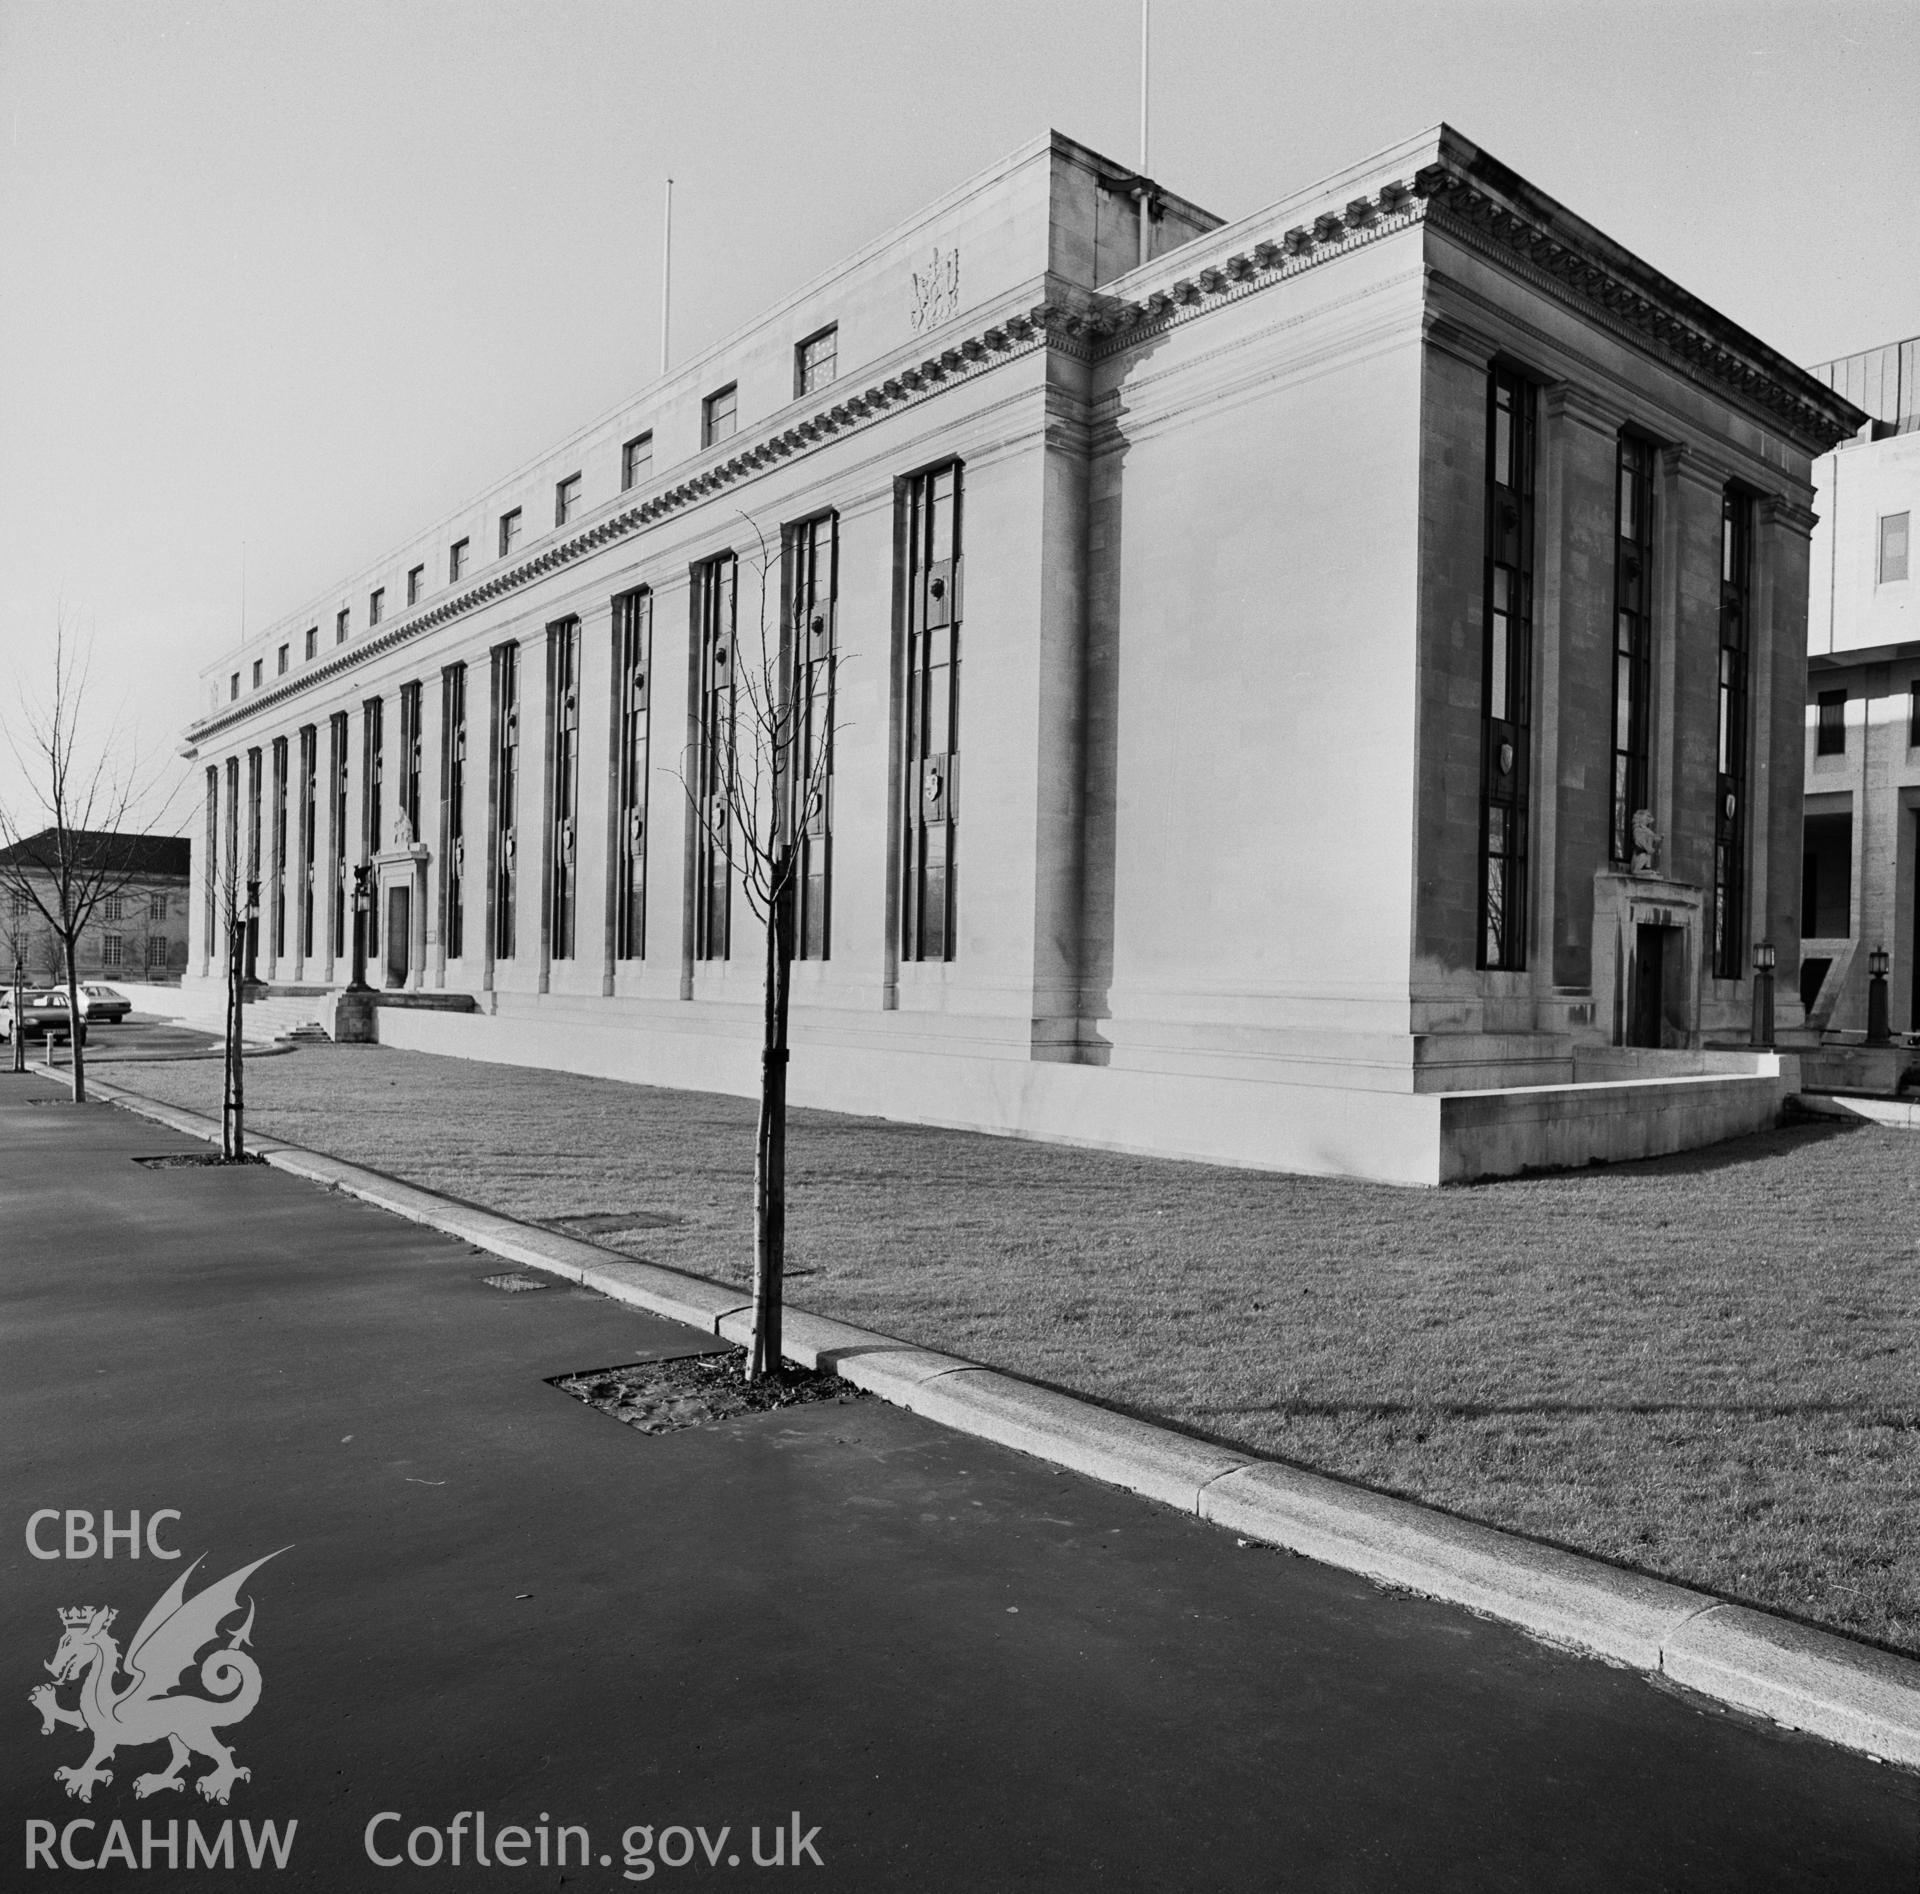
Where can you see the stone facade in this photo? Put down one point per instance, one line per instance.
(1220, 781)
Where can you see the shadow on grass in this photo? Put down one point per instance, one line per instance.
(1796, 1135)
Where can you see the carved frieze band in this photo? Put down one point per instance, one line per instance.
(1471, 212)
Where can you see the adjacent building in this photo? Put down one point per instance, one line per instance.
(1320, 691)
(138, 931)
(1858, 886)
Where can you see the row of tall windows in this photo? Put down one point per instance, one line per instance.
(805, 691)
(1507, 669)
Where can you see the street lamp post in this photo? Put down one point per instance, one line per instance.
(1763, 964)
(233, 1130)
(362, 902)
(1878, 1033)
(19, 1013)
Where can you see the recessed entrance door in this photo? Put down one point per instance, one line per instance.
(400, 933)
(1648, 1004)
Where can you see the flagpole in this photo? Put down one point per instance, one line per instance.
(666, 279)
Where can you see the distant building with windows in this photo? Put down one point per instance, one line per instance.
(138, 933)
(1321, 691)
(1859, 890)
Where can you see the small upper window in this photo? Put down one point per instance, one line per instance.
(1894, 536)
(509, 531)
(566, 499)
(233, 687)
(814, 361)
(1831, 734)
(259, 672)
(156, 907)
(286, 653)
(340, 626)
(376, 604)
(457, 561)
(636, 461)
(416, 584)
(719, 414)
(313, 641)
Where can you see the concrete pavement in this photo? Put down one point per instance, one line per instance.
(962, 1669)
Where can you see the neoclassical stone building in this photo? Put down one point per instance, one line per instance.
(1321, 691)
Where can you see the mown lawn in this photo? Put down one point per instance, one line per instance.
(1705, 1366)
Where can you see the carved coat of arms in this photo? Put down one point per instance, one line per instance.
(936, 291)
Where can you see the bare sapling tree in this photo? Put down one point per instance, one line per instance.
(758, 777)
(238, 911)
(72, 841)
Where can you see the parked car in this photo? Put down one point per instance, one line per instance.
(41, 1013)
(103, 1002)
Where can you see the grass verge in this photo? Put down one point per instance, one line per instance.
(1705, 1366)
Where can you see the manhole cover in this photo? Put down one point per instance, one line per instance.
(604, 1222)
(660, 1397)
(515, 1281)
(194, 1160)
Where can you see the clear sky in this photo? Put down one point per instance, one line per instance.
(299, 277)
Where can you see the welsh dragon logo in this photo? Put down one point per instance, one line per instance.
(141, 1709)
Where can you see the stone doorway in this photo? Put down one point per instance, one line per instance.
(1651, 1021)
(399, 933)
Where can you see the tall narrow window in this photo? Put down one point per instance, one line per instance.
(340, 619)
(1730, 807)
(931, 717)
(632, 671)
(409, 787)
(277, 919)
(1506, 682)
(259, 672)
(416, 584)
(337, 786)
(232, 895)
(312, 649)
(209, 866)
(506, 796)
(280, 667)
(453, 808)
(509, 531)
(566, 500)
(1830, 730)
(1632, 638)
(309, 841)
(376, 605)
(1913, 738)
(714, 760)
(457, 560)
(563, 787)
(373, 769)
(254, 790)
(812, 548)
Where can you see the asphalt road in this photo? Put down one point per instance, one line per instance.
(934, 1662)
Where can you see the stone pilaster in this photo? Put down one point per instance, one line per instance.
(1573, 630)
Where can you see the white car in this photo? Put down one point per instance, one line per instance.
(103, 1003)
